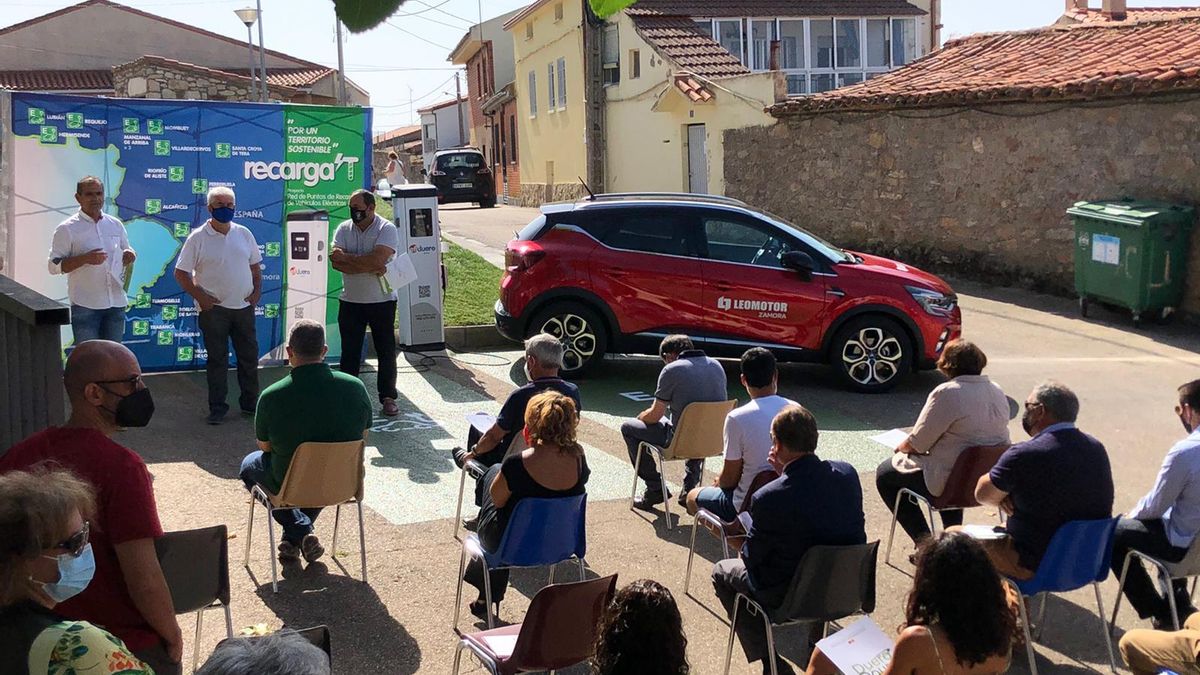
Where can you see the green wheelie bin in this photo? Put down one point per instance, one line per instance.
(1132, 254)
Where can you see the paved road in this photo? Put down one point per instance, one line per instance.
(484, 231)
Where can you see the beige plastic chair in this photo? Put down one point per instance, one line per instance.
(320, 475)
(699, 434)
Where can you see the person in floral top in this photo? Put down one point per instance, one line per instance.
(46, 559)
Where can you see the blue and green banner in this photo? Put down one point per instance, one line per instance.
(158, 159)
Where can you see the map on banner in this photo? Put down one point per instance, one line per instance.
(158, 159)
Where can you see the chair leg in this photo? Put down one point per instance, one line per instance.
(552, 566)
(1040, 625)
(662, 477)
(887, 557)
(770, 643)
(1028, 637)
(271, 553)
(462, 567)
(362, 542)
(637, 466)
(1112, 662)
(1112, 624)
(687, 580)
(249, 531)
(737, 600)
(487, 594)
(458, 652)
(462, 487)
(228, 621)
(196, 644)
(582, 569)
(337, 520)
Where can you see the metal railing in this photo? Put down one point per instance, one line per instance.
(31, 363)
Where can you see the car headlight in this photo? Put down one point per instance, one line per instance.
(933, 302)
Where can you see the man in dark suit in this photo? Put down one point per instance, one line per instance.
(1060, 474)
(813, 503)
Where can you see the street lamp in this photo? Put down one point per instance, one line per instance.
(249, 15)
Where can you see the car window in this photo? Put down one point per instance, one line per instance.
(739, 242)
(459, 160)
(647, 231)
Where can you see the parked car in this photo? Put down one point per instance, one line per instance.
(617, 273)
(462, 175)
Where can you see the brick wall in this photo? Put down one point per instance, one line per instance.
(975, 193)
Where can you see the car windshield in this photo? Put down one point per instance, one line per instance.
(829, 250)
(460, 160)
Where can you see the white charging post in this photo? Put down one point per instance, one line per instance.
(307, 241)
(419, 305)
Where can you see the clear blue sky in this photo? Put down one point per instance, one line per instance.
(409, 53)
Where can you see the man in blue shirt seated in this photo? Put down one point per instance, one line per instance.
(814, 502)
(543, 359)
(1166, 520)
(1059, 475)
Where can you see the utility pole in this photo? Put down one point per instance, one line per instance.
(458, 106)
(341, 65)
(262, 54)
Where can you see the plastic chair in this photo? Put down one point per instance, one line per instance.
(320, 475)
(1079, 554)
(195, 564)
(559, 630)
(959, 492)
(717, 525)
(1188, 568)
(699, 434)
(541, 531)
(476, 471)
(830, 584)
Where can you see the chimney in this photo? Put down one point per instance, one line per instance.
(1114, 10)
(1077, 6)
(774, 59)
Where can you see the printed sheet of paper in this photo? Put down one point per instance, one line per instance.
(481, 421)
(983, 532)
(400, 271)
(1106, 249)
(891, 439)
(860, 648)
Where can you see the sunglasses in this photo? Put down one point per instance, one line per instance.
(75, 543)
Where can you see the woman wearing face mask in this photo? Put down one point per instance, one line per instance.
(45, 558)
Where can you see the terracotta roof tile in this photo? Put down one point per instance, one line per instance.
(1080, 62)
(678, 39)
(288, 77)
(693, 88)
(798, 8)
(1132, 14)
(57, 80)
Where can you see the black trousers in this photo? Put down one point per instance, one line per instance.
(1149, 537)
(729, 577)
(889, 481)
(219, 326)
(353, 320)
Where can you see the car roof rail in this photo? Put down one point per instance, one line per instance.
(692, 196)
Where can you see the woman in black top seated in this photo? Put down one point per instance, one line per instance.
(553, 466)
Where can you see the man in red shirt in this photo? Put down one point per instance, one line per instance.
(128, 595)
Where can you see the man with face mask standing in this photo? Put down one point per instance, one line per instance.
(128, 594)
(362, 248)
(1060, 474)
(1165, 521)
(219, 267)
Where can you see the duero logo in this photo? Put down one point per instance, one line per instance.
(309, 172)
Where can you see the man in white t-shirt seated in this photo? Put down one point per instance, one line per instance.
(747, 438)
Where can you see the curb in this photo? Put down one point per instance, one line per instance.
(475, 338)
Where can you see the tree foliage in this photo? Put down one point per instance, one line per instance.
(362, 15)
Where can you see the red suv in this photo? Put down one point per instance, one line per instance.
(618, 272)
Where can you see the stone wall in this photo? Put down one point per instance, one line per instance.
(153, 80)
(975, 193)
(7, 198)
(536, 194)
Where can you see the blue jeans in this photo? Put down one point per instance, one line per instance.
(717, 501)
(97, 324)
(296, 523)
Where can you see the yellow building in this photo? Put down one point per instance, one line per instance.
(548, 49)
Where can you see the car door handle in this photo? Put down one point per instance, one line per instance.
(723, 287)
(617, 271)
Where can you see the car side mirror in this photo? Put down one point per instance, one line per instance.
(799, 261)
(424, 172)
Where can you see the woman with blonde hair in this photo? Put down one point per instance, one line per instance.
(45, 558)
(553, 466)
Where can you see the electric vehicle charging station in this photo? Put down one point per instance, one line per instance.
(419, 304)
(307, 245)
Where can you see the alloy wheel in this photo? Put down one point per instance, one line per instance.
(872, 356)
(578, 338)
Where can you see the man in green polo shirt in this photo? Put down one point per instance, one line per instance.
(313, 403)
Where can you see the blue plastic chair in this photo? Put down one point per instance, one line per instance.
(540, 532)
(1078, 555)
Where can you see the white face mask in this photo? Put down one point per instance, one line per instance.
(528, 375)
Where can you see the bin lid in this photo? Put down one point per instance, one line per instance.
(1132, 211)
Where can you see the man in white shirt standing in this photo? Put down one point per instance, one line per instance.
(362, 248)
(92, 249)
(747, 438)
(219, 267)
(1166, 520)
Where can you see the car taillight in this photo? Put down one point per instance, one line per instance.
(438, 173)
(522, 255)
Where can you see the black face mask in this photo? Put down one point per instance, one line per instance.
(358, 215)
(134, 410)
(1027, 422)
(1187, 427)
